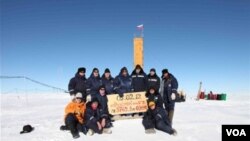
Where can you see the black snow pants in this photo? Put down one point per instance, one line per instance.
(73, 125)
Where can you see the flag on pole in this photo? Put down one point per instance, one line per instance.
(140, 27)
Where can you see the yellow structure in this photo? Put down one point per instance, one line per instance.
(138, 51)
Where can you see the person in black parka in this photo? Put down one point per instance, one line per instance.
(78, 83)
(123, 82)
(139, 79)
(153, 95)
(108, 81)
(156, 118)
(94, 82)
(153, 79)
(96, 118)
(168, 90)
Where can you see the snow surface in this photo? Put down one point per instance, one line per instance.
(194, 120)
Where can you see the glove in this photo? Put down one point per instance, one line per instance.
(173, 96)
(88, 98)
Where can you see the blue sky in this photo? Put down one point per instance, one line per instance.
(197, 40)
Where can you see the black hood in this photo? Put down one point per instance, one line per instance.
(138, 67)
(103, 76)
(122, 69)
(88, 105)
(151, 87)
(92, 74)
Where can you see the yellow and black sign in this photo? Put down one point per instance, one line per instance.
(130, 103)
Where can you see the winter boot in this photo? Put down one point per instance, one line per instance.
(64, 128)
(107, 131)
(174, 132)
(90, 132)
(76, 135)
(150, 131)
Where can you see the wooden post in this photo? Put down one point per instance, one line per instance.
(138, 51)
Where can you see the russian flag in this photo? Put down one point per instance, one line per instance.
(140, 27)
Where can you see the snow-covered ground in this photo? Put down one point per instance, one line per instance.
(194, 120)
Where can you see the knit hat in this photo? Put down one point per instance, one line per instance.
(164, 71)
(27, 128)
(95, 69)
(151, 103)
(78, 95)
(107, 70)
(124, 69)
(152, 69)
(82, 69)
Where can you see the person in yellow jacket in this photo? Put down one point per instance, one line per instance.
(74, 116)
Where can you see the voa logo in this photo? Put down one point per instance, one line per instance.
(236, 132)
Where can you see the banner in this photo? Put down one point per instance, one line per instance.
(130, 103)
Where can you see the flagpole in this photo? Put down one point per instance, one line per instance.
(142, 32)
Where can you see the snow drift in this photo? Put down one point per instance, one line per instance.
(194, 120)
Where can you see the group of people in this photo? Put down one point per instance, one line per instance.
(88, 110)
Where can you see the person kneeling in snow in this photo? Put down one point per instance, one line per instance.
(74, 116)
(156, 117)
(96, 118)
